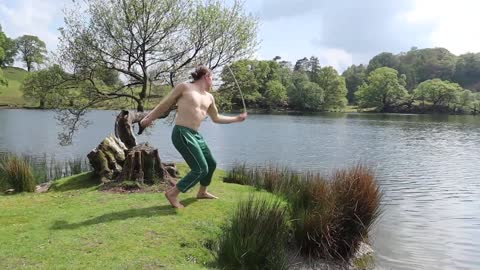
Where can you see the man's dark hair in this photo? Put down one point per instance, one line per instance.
(199, 72)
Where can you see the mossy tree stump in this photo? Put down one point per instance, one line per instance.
(118, 158)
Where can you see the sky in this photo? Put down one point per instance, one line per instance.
(340, 33)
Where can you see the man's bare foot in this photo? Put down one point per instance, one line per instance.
(173, 199)
(206, 195)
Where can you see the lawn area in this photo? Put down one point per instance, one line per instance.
(75, 226)
(12, 94)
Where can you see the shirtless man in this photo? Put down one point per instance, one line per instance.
(194, 102)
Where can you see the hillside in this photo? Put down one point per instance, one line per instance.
(12, 96)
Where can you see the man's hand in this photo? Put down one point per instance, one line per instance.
(241, 117)
(144, 123)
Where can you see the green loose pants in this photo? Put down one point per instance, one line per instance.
(194, 150)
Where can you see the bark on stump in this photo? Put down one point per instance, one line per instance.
(119, 158)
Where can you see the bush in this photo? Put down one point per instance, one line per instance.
(330, 217)
(256, 236)
(17, 173)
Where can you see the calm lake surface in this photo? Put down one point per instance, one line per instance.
(427, 166)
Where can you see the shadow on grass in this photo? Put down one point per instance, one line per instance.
(188, 201)
(164, 210)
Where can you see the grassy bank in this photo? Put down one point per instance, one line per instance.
(12, 95)
(77, 227)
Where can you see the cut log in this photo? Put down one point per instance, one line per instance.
(112, 161)
(118, 158)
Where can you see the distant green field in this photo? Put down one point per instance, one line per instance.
(12, 95)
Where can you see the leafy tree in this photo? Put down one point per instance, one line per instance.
(43, 86)
(148, 41)
(32, 50)
(243, 72)
(305, 95)
(467, 70)
(438, 92)
(426, 64)
(475, 103)
(8, 49)
(301, 65)
(383, 90)
(465, 100)
(384, 59)
(333, 85)
(354, 77)
(276, 94)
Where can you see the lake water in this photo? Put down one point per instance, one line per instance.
(427, 166)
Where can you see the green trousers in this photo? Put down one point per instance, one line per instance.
(194, 150)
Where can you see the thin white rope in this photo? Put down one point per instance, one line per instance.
(239, 89)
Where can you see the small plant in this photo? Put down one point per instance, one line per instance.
(17, 173)
(256, 236)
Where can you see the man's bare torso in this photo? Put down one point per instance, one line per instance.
(192, 106)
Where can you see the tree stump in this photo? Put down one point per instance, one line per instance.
(119, 158)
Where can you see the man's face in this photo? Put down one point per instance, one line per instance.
(209, 79)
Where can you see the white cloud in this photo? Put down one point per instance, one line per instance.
(337, 58)
(31, 17)
(455, 23)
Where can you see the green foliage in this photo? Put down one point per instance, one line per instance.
(171, 38)
(384, 59)
(8, 49)
(334, 88)
(304, 94)
(354, 77)
(17, 173)
(467, 70)
(255, 237)
(46, 87)
(275, 94)
(32, 50)
(438, 92)
(425, 64)
(383, 90)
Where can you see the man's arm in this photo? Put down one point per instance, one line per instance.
(222, 119)
(164, 105)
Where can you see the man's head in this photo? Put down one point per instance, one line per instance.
(203, 75)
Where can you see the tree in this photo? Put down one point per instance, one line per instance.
(43, 86)
(465, 100)
(438, 92)
(305, 95)
(8, 49)
(335, 90)
(384, 59)
(243, 72)
(467, 70)
(382, 90)
(426, 64)
(32, 50)
(148, 41)
(354, 77)
(276, 94)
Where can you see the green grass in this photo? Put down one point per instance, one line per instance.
(12, 94)
(77, 227)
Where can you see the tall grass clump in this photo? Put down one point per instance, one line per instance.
(357, 197)
(255, 237)
(330, 216)
(17, 173)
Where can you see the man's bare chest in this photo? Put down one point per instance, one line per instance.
(196, 99)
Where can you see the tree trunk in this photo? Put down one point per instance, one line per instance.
(118, 158)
